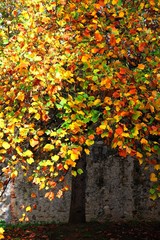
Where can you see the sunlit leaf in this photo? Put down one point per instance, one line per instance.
(6, 145)
(153, 177)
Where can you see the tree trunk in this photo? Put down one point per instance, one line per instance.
(77, 208)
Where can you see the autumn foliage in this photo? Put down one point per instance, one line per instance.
(72, 71)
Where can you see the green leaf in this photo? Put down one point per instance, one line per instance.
(119, 3)
(152, 191)
(95, 115)
(5, 42)
(80, 171)
(136, 115)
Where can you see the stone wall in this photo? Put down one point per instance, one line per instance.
(117, 190)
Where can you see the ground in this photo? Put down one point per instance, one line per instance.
(88, 231)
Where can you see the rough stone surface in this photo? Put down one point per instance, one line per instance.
(117, 190)
(5, 205)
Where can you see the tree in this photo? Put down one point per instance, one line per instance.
(72, 71)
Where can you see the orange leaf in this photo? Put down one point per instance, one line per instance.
(141, 66)
(81, 139)
(112, 40)
(40, 132)
(49, 195)
(144, 141)
(33, 195)
(153, 177)
(20, 96)
(94, 50)
(91, 137)
(71, 162)
(59, 194)
(122, 71)
(98, 36)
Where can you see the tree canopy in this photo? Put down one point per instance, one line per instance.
(72, 71)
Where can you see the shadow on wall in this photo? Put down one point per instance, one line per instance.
(116, 190)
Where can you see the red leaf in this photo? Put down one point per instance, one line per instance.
(142, 46)
(122, 153)
(119, 130)
(116, 94)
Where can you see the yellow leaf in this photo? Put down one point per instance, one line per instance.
(33, 142)
(74, 156)
(114, 2)
(74, 173)
(19, 150)
(1, 230)
(66, 166)
(20, 38)
(85, 58)
(20, 96)
(96, 102)
(37, 58)
(121, 14)
(27, 153)
(139, 155)
(25, 14)
(140, 161)
(14, 174)
(37, 116)
(42, 186)
(87, 151)
(30, 160)
(55, 158)
(157, 167)
(89, 142)
(153, 197)
(125, 134)
(61, 23)
(23, 132)
(52, 168)
(153, 177)
(32, 110)
(1, 233)
(48, 147)
(6, 145)
(28, 209)
(2, 125)
(118, 40)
